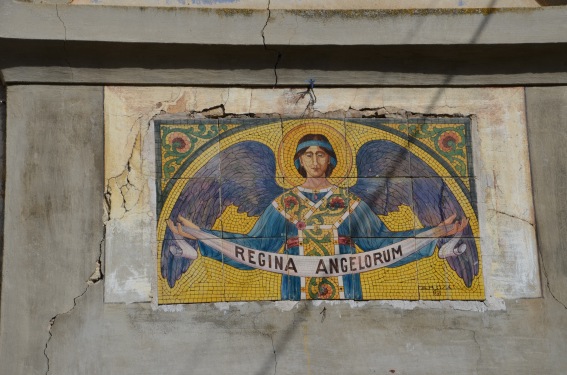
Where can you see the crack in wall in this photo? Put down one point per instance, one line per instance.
(279, 55)
(219, 111)
(95, 277)
(98, 274)
(52, 323)
(275, 355)
(227, 96)
(512, 216)
(66, 54)
(127, 187)
(547, 281)
(397, 113)
(479, 348)
(270, 336)
(216, 112)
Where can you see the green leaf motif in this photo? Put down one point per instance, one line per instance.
(449, 142)
(178, 143)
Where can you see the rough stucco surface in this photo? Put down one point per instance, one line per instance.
(2, 174)
(53, 215)
(547, 116)
(306, 4)
(53, 229)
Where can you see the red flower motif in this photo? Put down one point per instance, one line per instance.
(290, 202)
(448, 140)
(336, 203)
(300, 225)
(178, 141)
(325, 291)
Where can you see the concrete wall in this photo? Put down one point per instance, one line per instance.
(308, 4)
(2, 173)
(55, 168)
(54, 319)
(547, 115)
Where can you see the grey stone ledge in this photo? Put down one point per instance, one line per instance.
(36, 61)
(24, 20)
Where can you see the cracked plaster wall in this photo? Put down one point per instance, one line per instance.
(307, 4)
(54, 247)
(303, 4)
(505, 205)
(54, 321)
(2, 173)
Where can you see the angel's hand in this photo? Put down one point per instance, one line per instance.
(451, 227)
(459, 226)
(178, 232)
(449, 220)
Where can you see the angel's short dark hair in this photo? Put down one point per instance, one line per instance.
(320, 141)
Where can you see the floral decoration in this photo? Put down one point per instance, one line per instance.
(336, 202)
(179, 141)
(448, 140)
(290, 202)
(325, 291)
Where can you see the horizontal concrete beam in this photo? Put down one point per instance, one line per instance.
(24, 20)
(306, 4)
(28, 61)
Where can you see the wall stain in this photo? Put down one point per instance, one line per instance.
(356, 14)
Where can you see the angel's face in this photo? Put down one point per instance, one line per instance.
(315, 161)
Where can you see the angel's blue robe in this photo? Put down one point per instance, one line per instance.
(271, 230)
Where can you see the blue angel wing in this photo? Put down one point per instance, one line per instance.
(431, 199)
(247, 181)
(388, 162)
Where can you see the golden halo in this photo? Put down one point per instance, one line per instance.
(299, 128)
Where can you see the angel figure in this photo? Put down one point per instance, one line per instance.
(317, 218)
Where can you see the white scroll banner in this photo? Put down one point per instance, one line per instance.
(321, 266)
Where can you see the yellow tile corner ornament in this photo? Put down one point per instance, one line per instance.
(360, 209)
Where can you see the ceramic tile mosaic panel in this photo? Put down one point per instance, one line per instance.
(359, 209)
